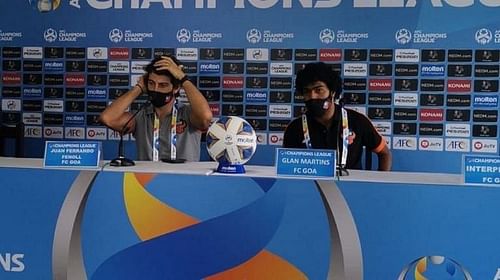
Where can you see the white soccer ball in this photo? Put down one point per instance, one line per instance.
(231, 140)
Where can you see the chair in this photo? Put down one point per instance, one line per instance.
(367, 153)
(15, 131)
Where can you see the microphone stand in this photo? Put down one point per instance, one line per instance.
(121, 160)
(341, 170)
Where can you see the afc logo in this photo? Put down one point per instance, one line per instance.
(460, 145)
(74, 133)
(405, 143)
(457, 145)
(33, 131)
(12, 262)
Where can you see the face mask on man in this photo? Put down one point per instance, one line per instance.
(159, 99)
(318, 107)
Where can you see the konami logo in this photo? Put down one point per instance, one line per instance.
(459, 85)
(330, 54)
(432, 115)
(380, 84)
(11, 78)
(75, 79)
(119, 53)
(232, 82)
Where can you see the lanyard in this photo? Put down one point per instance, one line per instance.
(173, 135)
(305, 130)
(156, 138)
(345, 135)
(173, 132)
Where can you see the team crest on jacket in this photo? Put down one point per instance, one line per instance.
(180, 127)
(351, 137)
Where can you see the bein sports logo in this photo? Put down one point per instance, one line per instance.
(483, 36)
(403, 36)
(254, 36)
(44, 6)
(50, 35)
(115, 35)
(327, 36)
(434, 267)
(183, 35)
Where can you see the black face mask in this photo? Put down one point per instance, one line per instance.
(159, 99)
(317, 107)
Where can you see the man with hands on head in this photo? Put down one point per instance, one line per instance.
(152, 126)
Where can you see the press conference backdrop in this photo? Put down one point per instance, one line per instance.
(425, 72)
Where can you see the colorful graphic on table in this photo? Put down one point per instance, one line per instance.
(434, 267)
(237, 244)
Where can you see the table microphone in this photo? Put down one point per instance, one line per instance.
(121, 160)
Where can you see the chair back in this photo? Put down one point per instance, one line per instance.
(13, 131)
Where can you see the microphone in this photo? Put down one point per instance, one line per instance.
(121, 160)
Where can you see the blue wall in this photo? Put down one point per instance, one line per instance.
(62, 65)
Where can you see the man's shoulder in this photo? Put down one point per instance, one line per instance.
(351, 113)
(295, 123)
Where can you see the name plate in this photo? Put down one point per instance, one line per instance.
(305, 162)
(72, 154)
(481, 170)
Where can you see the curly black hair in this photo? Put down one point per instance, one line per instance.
(318, 71)
(150, 68)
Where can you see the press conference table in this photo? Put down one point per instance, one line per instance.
(108, 221)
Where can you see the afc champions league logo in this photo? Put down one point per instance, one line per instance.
(183, 35)
(327, 36)
(115, 35)
(403, 36)
(434, 267)
(44, 6)
(50, 35)
(483, 36)
(254, 36)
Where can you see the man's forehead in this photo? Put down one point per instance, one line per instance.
(159, 78)
(316, 84)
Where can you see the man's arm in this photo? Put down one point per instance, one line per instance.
(384, 159)
(115, 115)
(201, 116)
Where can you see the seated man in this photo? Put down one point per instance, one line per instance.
(319, 85)
(152, 126)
